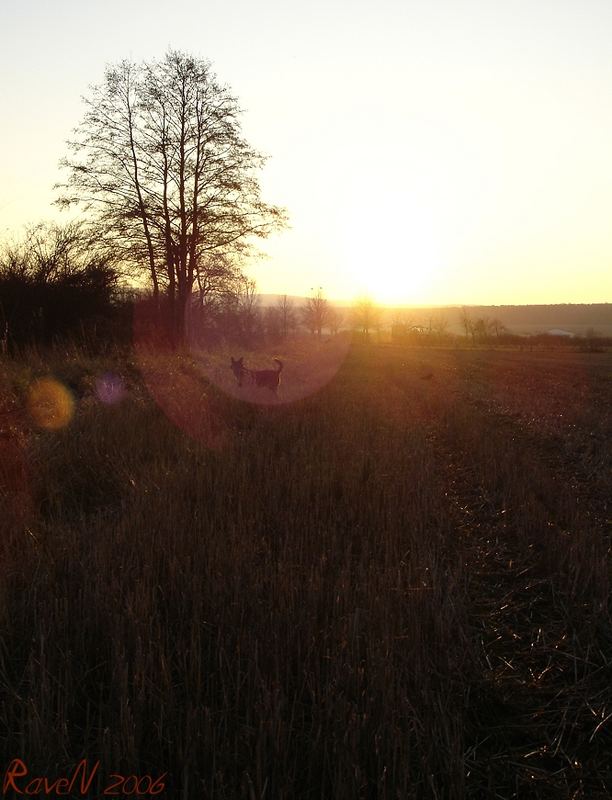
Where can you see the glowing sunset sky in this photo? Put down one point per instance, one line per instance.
(439, 151)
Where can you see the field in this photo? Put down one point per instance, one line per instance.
(391, 582)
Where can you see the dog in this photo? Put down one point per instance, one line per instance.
(262, 378)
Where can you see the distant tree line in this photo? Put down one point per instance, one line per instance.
(58, 283)
(481, 329)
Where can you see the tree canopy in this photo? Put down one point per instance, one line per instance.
(169, 183)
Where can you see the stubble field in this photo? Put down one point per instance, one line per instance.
(395, 586)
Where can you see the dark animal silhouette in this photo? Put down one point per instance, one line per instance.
(263, 378)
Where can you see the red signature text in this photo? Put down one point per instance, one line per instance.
(20, 781)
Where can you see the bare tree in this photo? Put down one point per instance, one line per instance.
(215, 276)
(366, 316)
(161, 167)
(439, 326)
(218, 280)
(248, 308)
(480, 329)
(467, 323)
(315, 312)
(287, 319)
(483, 329)
(497, 328)
(335, 318)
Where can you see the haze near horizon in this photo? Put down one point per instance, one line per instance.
(427, 153)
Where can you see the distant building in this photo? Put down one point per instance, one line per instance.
(401, 332)
(559, 332)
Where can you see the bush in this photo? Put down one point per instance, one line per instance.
(54, 284)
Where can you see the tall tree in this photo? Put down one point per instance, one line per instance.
(160, 164)
(315, 312)
(286, 314)
(467, 322)
(366, 315)
(248, 308)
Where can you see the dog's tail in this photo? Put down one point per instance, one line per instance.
(280, 364)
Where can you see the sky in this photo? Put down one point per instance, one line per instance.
(427, 151)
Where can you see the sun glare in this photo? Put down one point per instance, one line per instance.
(413, 228)
(396, 253)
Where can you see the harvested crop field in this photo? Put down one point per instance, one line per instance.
(391, 582)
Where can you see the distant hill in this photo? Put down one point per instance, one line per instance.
(272, 299)
(562, 315)
(576, 318)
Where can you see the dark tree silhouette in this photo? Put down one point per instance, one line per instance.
(315, 312)
(249, 315)
(365, 316)
(467, 323)
(160, 165)
(55, 283)
(286, 313)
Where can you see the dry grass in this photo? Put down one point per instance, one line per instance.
(395, 587)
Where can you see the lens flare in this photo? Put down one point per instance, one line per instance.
(184, 383)
(50, 404)
(110, 388)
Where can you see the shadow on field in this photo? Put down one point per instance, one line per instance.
(393, 586)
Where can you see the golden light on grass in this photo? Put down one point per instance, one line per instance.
(50, 404)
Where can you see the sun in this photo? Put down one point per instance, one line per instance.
(395, 253)
(413, 223)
